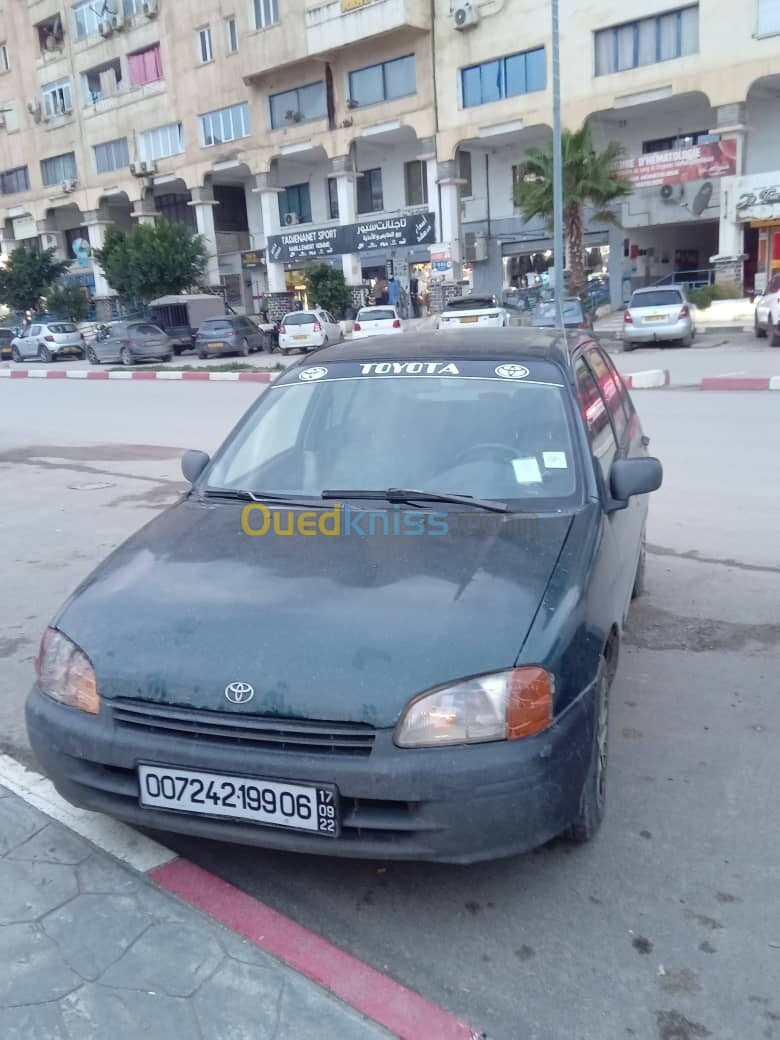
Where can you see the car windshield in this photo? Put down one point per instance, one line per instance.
(63, 327)
(657, 298)
(300, 318)
(378, 314)
(572, 311)
(481, 436)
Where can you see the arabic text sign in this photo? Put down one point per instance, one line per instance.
(680, 165)
(412, 229)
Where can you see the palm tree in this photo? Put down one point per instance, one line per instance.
(589, 179)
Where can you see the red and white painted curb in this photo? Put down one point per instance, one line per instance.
(400, 1010)
(139, 375)
(740, 383)
(652, 378)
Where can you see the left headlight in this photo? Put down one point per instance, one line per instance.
(505, 705)
(65, 673)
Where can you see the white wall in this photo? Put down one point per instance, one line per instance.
(762, 153)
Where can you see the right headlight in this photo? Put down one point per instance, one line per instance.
(504, 705)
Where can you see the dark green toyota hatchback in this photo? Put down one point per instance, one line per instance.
(385, 619)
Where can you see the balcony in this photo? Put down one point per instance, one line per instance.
(339, 23)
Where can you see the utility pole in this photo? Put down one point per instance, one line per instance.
(558, 254)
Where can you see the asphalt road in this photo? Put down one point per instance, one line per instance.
(665, 928)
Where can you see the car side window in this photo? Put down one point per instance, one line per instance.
(625, 398)
(610, 390)
(35, 330)
(600, 433)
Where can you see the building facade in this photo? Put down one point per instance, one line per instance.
(385, 136)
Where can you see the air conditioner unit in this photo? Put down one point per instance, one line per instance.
(69, 187)
(672, 193)
(118, 21)
(105, 28)
(143, 168)
(34, 107)
(150, 8)
(466, 16)
(290, 219)
(475, 247)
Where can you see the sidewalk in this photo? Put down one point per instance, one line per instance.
(92, 949)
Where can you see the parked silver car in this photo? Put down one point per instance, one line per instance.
(660, 312)
(48, 342)
(130, 342)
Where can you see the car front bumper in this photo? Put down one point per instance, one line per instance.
(660, 331)
(457, 805)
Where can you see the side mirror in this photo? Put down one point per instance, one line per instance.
(193, 463)
(630, 477)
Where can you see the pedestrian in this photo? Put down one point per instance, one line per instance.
(298, 306)
(393, 292)
(414, 295)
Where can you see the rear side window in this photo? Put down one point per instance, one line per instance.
(594, 412)
(300, 318)
(610, 391)
(657, 298)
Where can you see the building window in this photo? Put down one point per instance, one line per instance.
(14, 181)
(87, 17)
(5, 63)
(416, 181)
(390, 79)
(113, 155)
(464, 174)
(58, 169)
(204, 45)
(175, 208)
(298, 106)
(266, 13)
(131, 7)
(145, 66)
(503, 78)
(668, 144)
(333, 198)
(57, 98)
(161, 143)
(369, 192)
(295, 199)
(647, 41)
(226, 124)
(103, 81)
(232, 35)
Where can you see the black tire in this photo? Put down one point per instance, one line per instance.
(687, 342)
(126, 357)
(16, 357)
(44, 355)
(178, 351)
(589, 818)
(92, 357)
(244, 349)
(167, 358)
(627, 347)
(774, 338)
(284, 351)
(203, 354)
(759, 330)
(641, 567)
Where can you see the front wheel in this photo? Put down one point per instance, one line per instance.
(203, 354)
(16, 357)
(593, 798)
(92, 357)
(125, 356)
(244, 350)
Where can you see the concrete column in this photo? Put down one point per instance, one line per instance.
(729, 260)
(346, 177)
(203, 203)
(144, 212)
(269, 208)
(51, 238)
(615, 266)
(254, 217)
(96, 226)
(432, 173)
(449, 185)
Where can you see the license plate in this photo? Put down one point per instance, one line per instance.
(272, 803)
(656, 317)
(216, 346)
(300, 337)
(469, 320)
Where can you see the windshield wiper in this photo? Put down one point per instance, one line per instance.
(409, 495)
(256, 496)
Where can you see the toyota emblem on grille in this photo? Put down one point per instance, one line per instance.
(239, 692)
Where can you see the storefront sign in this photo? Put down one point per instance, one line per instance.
(353, 5)
(757, 200)
(252, 258)
(412, 229)
(680, 165)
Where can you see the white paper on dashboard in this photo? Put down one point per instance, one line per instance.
(555, 460)
(527, 471)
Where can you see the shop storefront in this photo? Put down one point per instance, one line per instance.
(757, 206)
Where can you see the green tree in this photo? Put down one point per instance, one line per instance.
(152, 260)
(30, 271)
(326, 287)
(589, 179)
(68, 301)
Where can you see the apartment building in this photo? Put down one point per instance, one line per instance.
(386, 135)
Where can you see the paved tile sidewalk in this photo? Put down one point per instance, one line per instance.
(91, 949)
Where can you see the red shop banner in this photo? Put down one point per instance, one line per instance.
(680, 165)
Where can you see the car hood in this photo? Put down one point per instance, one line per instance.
(342, 628)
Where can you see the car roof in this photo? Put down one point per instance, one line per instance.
(512, 344)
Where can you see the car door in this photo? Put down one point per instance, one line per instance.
(253, 334)
(111, 347)
(334, 329)
(33, 341)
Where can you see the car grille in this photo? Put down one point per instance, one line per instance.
(309, 737)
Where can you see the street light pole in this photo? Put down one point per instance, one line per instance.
(558, 256)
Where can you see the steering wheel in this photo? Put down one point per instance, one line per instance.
(489, 447)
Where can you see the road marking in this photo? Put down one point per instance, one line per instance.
(113, 837)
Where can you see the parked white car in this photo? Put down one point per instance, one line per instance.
(377, 321)
(307, 330)
(658, 313)
(477, 312)
(768, 312)
(49, 342)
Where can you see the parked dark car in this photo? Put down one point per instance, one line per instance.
(229, 336)
(545, 315)
(373, 686)
(130, 342)
(7, 336)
